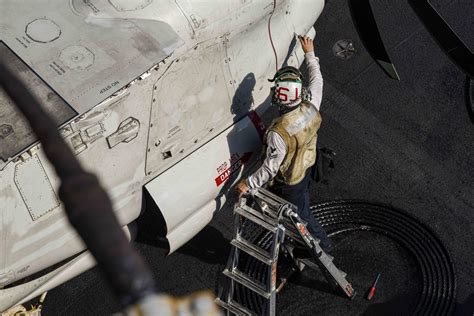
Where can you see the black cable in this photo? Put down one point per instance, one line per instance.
(86, 203)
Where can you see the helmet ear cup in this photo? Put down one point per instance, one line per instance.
(274, 95)
(305, 94)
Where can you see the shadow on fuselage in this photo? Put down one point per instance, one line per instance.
(240, 107)
(209, 245)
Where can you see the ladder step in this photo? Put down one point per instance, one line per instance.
(264, 217)
(271, 198)
(234, 307)
(331, 271)
(256, 218)
(246, 281)
(279, 217)
(252, 250)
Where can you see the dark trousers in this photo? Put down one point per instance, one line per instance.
(298, 194)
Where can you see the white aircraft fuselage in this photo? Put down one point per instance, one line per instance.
(163, 95)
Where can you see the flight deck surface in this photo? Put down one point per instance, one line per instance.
(407, 144)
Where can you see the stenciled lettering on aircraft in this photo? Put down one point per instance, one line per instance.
(236, 163)
(113, 84)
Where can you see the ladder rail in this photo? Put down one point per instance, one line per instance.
(272, 273)
(281, 219)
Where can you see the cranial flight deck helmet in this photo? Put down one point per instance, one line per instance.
(287, 92)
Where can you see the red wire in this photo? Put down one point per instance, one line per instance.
(270, 35)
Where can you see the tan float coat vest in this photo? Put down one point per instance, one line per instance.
(299, 130)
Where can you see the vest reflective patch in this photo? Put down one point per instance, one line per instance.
(305, 118)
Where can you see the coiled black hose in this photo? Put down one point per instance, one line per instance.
(338, 217)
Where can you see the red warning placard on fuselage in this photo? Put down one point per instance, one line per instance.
(235, 162)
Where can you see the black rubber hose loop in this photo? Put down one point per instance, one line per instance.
(340, 217)
(445, 282)
(442, 280)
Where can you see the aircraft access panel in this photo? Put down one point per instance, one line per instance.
(85, 51)
(15, 133)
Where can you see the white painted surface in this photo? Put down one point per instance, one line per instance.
(184, 187)
(189, 206)
(190, 105)
(22, 293)
(35, 188)
(118, 49)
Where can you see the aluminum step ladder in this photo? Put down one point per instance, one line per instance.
(288, 230)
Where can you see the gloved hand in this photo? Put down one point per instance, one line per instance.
(242, 187)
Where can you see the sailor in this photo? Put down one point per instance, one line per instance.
(290, 140)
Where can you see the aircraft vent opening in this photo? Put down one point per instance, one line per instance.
(166, 154)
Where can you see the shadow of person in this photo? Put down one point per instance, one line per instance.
(243, 97)
(209, 245)
(242, 102)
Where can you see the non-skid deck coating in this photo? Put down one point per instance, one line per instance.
(409, 144)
